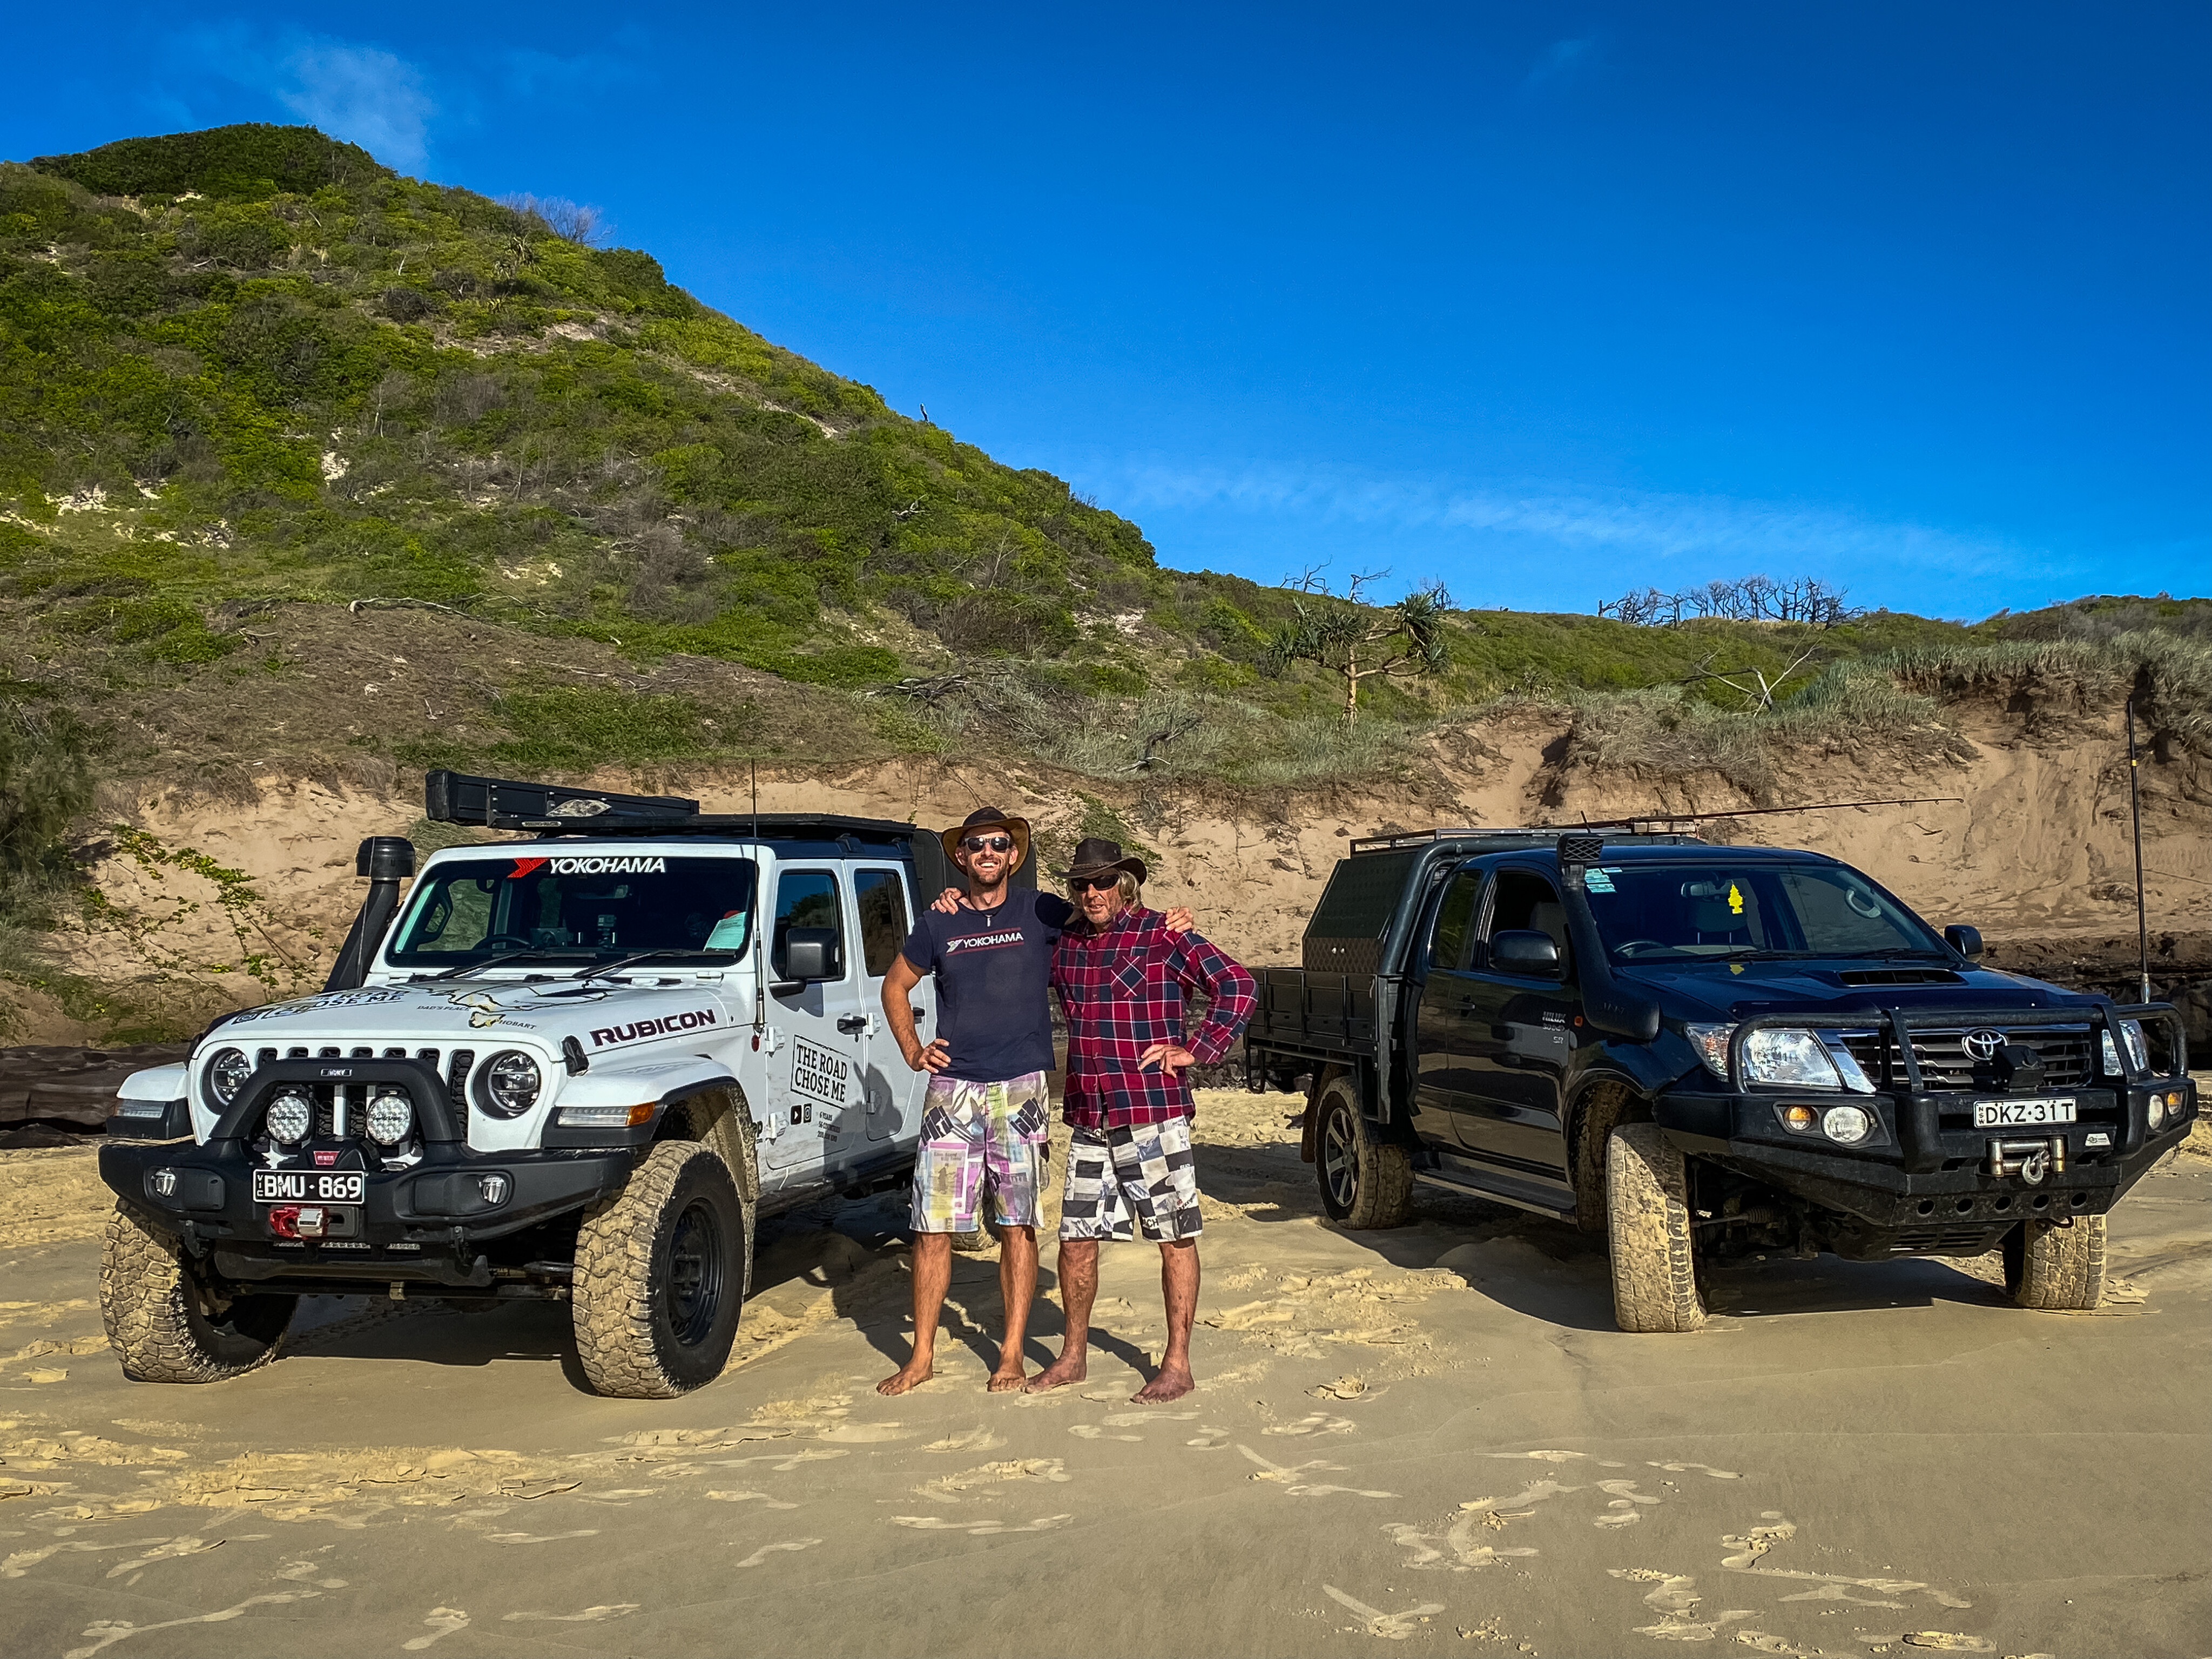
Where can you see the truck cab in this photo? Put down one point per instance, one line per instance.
(1708, 1051)
(576, 1064)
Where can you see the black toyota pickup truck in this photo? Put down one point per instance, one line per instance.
(1707, 1051)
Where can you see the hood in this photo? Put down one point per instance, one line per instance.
(602, 1019)
(1717, 990)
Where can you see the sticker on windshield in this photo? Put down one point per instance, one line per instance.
(1597, 881)
(729, 933)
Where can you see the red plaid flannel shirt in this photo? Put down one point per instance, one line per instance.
(1122, 991)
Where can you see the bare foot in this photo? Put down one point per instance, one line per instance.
(1172, 1384)
(917, 1372)
(1062, 1372)
(1006, 1381)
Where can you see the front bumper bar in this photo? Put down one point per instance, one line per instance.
(423, 1222)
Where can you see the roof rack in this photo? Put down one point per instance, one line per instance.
(556, 809)
(1500, 840)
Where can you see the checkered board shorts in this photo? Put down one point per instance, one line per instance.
(1142, 1171)
(979, 1138)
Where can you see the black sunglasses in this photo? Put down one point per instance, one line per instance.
(989, 843)
(1092, 883)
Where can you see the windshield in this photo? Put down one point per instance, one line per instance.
(1675, 910)
(578, 906)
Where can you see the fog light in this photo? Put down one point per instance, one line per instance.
(1846, 1125)
(2154, 1111)
(391, 1115)
(290, 1116)
(163, 1183)
(494, 1187)
(1800, 1120)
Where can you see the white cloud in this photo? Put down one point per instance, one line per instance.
(1625, 525)
(364, 95)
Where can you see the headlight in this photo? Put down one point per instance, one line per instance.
(291, 1114)
(1711, 1043)
(1846, 1125)
(1789, 1056)
(226, 1074)
(2131, 1037)
(2154, 1110)
(391, 1115)
(511, 1084)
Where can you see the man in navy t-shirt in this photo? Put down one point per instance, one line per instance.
(985, 1120)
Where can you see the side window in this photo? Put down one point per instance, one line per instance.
(1456, 920)
(1526, 900)
(806, 902)
(881, 897)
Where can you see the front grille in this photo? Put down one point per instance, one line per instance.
(2068, 1054)
(457, 1080)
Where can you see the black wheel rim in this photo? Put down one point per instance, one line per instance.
(691, 1293)
(1339, 1158)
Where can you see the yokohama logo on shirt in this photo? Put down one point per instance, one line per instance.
(984, 941)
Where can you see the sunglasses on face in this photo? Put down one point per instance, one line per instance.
(1092, 883)
(989, 843)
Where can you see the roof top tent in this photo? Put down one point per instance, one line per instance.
(548, 808)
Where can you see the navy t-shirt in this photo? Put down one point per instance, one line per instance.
(992, 968)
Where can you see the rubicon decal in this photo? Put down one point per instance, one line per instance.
(692, 1019)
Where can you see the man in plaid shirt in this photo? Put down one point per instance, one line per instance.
(1122, 978)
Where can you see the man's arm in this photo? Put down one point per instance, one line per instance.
(1231, 994)
(899, 981)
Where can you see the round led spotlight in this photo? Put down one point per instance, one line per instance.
(511, 1083)
(1846, 1125)
(391, 1116)
(290, 1115)
(226, 1074)
(2154, 1110)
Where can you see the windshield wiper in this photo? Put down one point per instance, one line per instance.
(467, 967)
(647, 956)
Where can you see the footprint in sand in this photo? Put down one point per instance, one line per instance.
(106, 1632)
(1623, 1509)
(1390, 1626)
(174, 1548)
(751, 1496)
(977, 1439)
(1703, 1468)
(974, 1529)
(443, 1622)
(788, 1546)
(537, 1538)
(1294, 1483)
(1209, 1439)
(1315, 1423)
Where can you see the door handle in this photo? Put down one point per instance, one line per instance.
(849, 1024)
(918, 1013)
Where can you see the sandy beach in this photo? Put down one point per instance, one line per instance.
(1430, 1435)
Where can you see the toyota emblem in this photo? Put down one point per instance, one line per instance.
(1984, 1045)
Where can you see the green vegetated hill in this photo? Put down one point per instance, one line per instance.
(258, 392)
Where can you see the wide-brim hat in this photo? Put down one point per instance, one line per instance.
(1096, 856)
(987, 818)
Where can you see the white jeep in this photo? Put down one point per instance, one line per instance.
(579, 1065)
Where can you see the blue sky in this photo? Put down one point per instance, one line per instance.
(1549, 301)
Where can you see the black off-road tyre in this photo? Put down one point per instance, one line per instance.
(2056, 1268)
(167, 1322)
(1366, 1179)
(1655, 1269)
(1602, 1110)
(661, 1272)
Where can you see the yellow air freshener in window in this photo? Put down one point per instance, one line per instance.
(1735, 900)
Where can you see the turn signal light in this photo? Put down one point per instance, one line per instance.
(1798, 1120)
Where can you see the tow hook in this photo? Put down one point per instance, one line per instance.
(2031, 1160)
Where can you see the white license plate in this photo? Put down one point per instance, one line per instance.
(2021, 1114)
(311, 1187)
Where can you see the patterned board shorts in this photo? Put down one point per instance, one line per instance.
(1143, 1170)
(978, 1138)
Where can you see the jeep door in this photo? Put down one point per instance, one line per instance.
(1520, 1037)
(1445, 1098)
(814, 1076)
(885, 915)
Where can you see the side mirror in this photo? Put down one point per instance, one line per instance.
(1519, 950)
(810, 954)
(1966, 941)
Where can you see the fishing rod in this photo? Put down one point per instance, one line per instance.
(1630, 823)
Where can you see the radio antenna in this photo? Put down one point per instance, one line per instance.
(2134, 811)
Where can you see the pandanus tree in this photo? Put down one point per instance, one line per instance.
(1358, 642)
